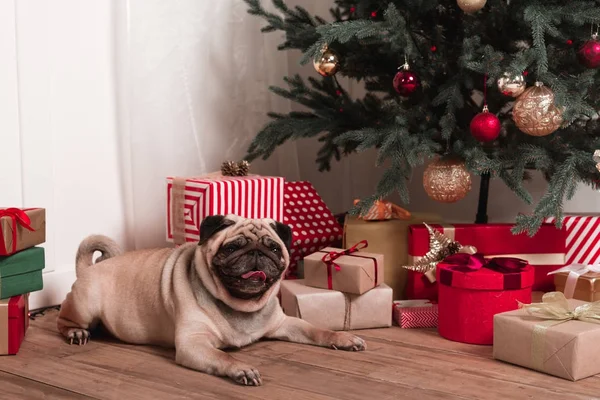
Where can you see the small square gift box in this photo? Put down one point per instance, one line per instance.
(22, 272)
(578, 281)
(472, 289)
(14, 321)
(349, 270)
(337, 311)
(559, 337)
(415, 314)
(21, 229)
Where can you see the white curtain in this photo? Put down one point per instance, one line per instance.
(193, 78)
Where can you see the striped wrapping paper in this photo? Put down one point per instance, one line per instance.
(583, 238)
(190, 200)
(410, 314)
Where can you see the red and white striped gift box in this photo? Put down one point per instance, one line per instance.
(190, 200)
(583, 238)
(415, 314)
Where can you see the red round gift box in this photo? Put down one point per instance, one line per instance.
(468, 301)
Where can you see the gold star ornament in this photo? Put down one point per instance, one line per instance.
(440, 247)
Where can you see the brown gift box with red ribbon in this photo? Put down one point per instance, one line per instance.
(345, 270)
(472, 289)
(21, 229)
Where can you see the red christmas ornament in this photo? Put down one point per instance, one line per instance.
(406, 82)
(485, 127)
(374, 14)
(433, 49)
(589, 53)
(569, 42)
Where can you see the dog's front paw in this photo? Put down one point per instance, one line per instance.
(347, 341)
(245, 375)
(78, 336)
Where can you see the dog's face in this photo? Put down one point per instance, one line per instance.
(248, 255)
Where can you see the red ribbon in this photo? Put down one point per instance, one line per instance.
(511, 267)
(17, 216)
(330, 257)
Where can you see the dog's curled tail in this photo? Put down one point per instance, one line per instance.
(85, 254)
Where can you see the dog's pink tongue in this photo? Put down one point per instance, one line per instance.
(255, 276)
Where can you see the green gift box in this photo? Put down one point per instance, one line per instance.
(21, 272)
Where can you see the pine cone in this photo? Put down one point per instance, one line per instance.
(229, 168)
(243, 168)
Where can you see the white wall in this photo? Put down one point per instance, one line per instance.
(59, 124)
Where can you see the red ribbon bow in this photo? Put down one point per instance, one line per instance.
(329, 259)
(17, 216)
(511, 267)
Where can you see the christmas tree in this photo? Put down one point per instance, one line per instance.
(494, 88)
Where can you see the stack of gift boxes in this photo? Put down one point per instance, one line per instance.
(473, 283)
(21, 265)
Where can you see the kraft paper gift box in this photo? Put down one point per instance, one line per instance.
(415, 314)
(14, 321)
(562, 342)
(349, 271)
(21, 229)
(21, 272)
(329, 309)
(389, 238)
(314, 226)
(191, 199)
(545, 251)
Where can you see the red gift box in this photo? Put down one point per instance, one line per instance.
(190, 200)
(314, 226)
(582, 238)
(545, 251)
(14, 321)
(473, 289)
(415, 314)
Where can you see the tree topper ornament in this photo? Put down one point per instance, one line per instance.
(440, 247)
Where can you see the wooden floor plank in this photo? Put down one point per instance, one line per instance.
(398, 364)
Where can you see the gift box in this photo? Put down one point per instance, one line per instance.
(415, 314)
(350, 270)
(582, 234)
(21, 272)
(190, 200)
(21, 229)
(545, 251)
(14, 321)
(557, 337)
(330, 309)
(389, 238)
(472, 289)
(314, 226)
(579, 281)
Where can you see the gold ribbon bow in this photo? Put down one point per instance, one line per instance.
(597, 159)
(384, 210)
(554, 306)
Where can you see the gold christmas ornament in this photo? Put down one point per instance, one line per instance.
(447, 180)
(232, 168)
(511, 85)
(328, 63)
(440, 247)
(535, 113)
(471, 6)
(597, 159)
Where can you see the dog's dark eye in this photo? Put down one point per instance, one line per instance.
(275, 249)
(229, 249)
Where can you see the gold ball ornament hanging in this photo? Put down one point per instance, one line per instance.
(471, 6)
(328, 63)
(511, 85)
(447, 180)
(535, 113)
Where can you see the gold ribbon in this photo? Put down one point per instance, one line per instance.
(347, 312)
(554, 309)
(178, 210)
(4, 326)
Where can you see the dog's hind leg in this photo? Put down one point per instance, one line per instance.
(77, 315)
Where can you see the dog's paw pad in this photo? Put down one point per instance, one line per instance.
(246, 375)
(348, 342)
(78, 336)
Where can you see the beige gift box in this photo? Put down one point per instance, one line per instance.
(358, 272)
(337, 311)
(587, 287)
(568, 349)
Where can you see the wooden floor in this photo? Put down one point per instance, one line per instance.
(399, 364)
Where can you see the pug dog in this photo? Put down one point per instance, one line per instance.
(199, 298)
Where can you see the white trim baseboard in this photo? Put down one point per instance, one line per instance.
(56, 286)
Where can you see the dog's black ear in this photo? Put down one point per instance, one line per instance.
(211, 225)
(284, 232)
